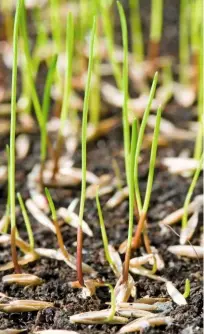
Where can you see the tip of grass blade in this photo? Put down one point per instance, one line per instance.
(51, 204)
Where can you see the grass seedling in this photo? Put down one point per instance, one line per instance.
(184, 41)
(140, 140)
(108, 29)
(131, 161)
(113, 302)
(126, 130)
(136, 31)
(67, 89)
(29, 67)
(187, 289)
(12, 159)
(27, 221)
(95, 98)
(45, 110)
(190, 191)
(199, 138)
(156, 28)
(83, 153)
(103, 232)
(5, 228)
(56, 25)
(84, 11)
(41, 37)
(143, 213)
(196, 28)
(55, 222)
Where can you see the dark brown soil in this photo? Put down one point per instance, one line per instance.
(168, 194)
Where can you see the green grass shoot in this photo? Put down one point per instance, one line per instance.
(29, 67)
(95, 97)
(113, 302)
(27, 221)
(156, 20)
(67, 87)
(190, 191)
(46, 107)
(198, 149)
(84, 154)
(131, 179)
(126, 130)
(140, 140)
(187, 288)
(152, 161)
(131, 198)
(6, 226)
(136, 30)
(41, 37)
(68, 72)
(56, 24)
(12, 158)
(84, 123)
(51, 205)
(196, 22)
(108, 29)
(103, 232)
(184, 41)
(143, 209)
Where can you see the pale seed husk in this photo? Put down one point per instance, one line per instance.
(24, 306)
(22, 279)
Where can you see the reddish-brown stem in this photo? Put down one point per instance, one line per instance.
(146, 239)
(79, 255)
(195, 63)
(42, 167)
(57, 108)
(60, 240)
(126, 265)
(153, 50)
(17, 268)
(128, 250)
(140, 226)
(137, 216)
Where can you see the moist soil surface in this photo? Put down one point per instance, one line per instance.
(168, 194)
